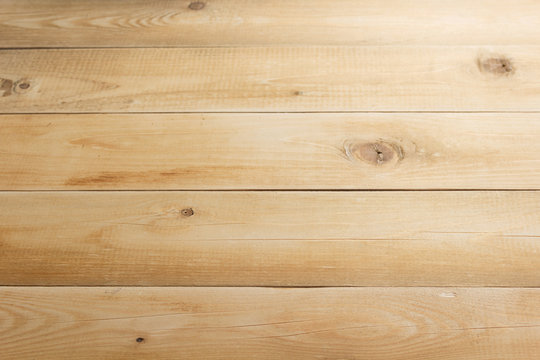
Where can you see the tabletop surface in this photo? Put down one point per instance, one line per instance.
(243, 179)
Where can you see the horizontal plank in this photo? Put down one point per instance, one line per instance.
(270, 238)
(271, 79)
(247, 323)
(94, 23)
(270, 151)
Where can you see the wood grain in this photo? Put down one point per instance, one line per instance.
(271, 79)
(124, 23)
(270, 151)
(270, 238)
(263, 121)
(243, 323)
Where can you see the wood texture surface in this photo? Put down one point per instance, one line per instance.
(271, 79)
(270, 151)
(236, 323)
(119, 23)
(270, 238)
(240, 144)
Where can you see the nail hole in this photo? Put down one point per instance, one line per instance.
(24, 85)
(197, 5)
(187, 212)
(139, 339)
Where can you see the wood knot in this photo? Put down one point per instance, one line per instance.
(6, 87)
(496, 65)
(9, 87)
(375, 153)
(187, 212)
(197, 5)
(22, 86)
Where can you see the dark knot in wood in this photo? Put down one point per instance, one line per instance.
(496, 65)
(187, 212)
(375, 153)
(197, 5)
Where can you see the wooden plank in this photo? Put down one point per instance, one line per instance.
(270, 238)
(271, 79)
(91, 23)
(270, 151)
(247, 323)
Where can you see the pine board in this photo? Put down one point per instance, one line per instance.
(269, 151)
(270, 238)
(243, 323)
(271, 79)
(174, 23)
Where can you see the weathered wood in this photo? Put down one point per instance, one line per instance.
(271, 79)
(270, 238)
(270, 151)
(243, 323)
(125, 23)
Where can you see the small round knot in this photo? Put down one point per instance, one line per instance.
(139, 339)
(374, 153)
(22, 86)
(197, 5)
(187, 212)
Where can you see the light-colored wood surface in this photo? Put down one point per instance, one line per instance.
(248, 323)
(270, 238)
(128, 23)
(240, 144)
(271, 79)
(270, 151)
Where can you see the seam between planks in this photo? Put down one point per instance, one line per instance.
(247, 112)
(285, 287)
(269, 190)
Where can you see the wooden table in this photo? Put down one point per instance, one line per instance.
(242, 179)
